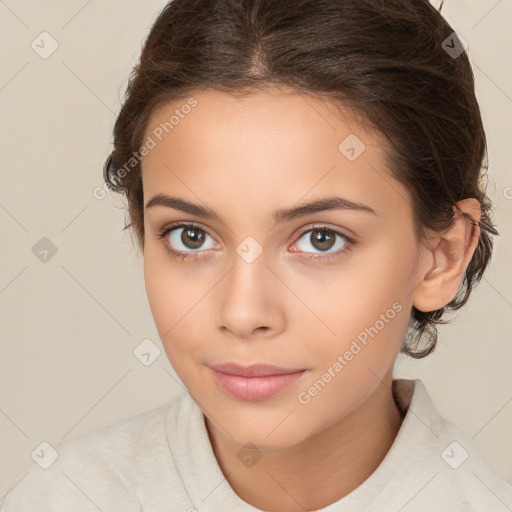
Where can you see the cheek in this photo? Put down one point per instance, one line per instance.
(169, 289)
(367, 303)
(175, 299)
(366, 310)
(160, 290)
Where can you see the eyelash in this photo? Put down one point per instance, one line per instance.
(315, 256)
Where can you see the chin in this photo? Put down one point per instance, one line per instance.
(265, 431)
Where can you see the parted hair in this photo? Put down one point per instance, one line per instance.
(388, 61)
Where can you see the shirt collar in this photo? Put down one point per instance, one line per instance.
(209, 490)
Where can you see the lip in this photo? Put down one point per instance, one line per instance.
(254, 370)
(256, 382)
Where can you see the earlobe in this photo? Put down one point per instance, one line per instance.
(451, 255)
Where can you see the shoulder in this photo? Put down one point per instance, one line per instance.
(455, 475)
(101, 469)
(464, 470)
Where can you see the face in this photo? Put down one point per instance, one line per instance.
(325, 290)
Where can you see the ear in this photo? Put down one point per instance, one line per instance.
(452, 252)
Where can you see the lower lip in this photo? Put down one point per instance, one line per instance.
(254, 389)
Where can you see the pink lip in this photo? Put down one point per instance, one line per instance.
(253, 370)
(255, 382)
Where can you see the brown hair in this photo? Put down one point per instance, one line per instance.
(384, 59)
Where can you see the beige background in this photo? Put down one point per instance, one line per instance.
(70, 324)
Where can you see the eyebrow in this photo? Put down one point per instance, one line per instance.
(282, 215)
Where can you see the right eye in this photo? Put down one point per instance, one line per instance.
(184, 239)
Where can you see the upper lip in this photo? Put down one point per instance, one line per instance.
(254, 370)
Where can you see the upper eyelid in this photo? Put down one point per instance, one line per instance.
(182, 225)
(300, 232)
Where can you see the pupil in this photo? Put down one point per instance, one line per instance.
(188, 235)
(322, 240)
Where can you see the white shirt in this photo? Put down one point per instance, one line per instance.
(161, 460)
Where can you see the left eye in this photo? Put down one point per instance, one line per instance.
(323, 239)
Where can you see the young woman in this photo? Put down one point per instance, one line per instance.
(303, 178)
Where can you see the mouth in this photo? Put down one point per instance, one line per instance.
(254, 370)
(255, 382)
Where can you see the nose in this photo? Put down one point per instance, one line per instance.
(249, 300)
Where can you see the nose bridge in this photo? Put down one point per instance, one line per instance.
(248, 276)
(248, 298)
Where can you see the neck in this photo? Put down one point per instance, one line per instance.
(323, 468)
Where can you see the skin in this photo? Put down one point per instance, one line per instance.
(243, 158)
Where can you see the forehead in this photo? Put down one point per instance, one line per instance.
(278, 143)
(275, 113)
